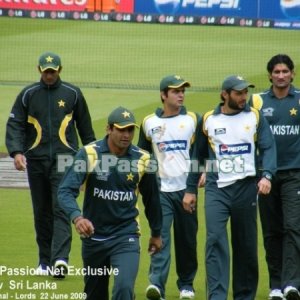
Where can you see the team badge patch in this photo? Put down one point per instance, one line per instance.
(103, 176)
(220, 131)
(268, 111)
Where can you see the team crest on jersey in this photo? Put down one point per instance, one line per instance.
(220, 131)
(268, 111)
(103, 176)
(156, 130)
(159, 131)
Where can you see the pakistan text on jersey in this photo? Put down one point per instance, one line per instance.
(113, 195)
(285, 129)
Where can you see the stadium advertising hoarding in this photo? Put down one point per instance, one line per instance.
(272, 9)
(55, 5)
(282, 13)
(125, 6)
(241, 8)
(254, 13)
(278, 9)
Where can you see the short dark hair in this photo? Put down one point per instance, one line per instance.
(165, 92)
(280, 59)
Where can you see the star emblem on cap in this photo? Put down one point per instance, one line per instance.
(293, 112)
(130, 177)
(177, 77)
(239, 77)
(49, 59)
(61, 103)
(126, 114)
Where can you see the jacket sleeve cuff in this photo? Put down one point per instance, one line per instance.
(155, 233)
(74, 215)
(13, 154)
(192, 189)
(267, 174)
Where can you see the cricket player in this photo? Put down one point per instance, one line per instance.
(228, 138)
(169, 134)
(114, 172)
(280, 210)
(45, 121)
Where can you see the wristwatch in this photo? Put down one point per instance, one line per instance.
(267, 176)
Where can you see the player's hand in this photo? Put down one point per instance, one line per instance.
(20, 162)
(155, 244)
(189, 202)
(202, 180)
(84, 227)
(264, 186)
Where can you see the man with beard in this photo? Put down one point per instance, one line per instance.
(229, 137)
(280, 210)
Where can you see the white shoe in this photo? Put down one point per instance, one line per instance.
(186, 294)
(153, 292)
(275, 294)
(291, 293)
(60, 269)
(42, 270)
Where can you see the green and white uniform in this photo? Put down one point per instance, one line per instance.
(280, 211)
(230, 143)
(170, 140)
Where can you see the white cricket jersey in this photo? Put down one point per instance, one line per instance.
(232, 138)
(171, 140)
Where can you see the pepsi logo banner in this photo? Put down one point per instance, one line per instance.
(279, 9)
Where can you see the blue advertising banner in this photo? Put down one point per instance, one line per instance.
(198, 7)
(280, 9)
(270, 9)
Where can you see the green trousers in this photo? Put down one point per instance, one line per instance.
(120, 255)
(280, 219)
(185, 227)
(237, 203)
(52, 226)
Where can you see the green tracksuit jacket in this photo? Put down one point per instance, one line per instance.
(111, 190)
(43, 121)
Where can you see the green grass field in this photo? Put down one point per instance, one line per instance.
(122, 64)
(112, 54)
(18, 250)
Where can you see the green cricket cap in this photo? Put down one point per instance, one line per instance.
(173, 82)
(235, 82)
(49, 60)
(122, 117)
